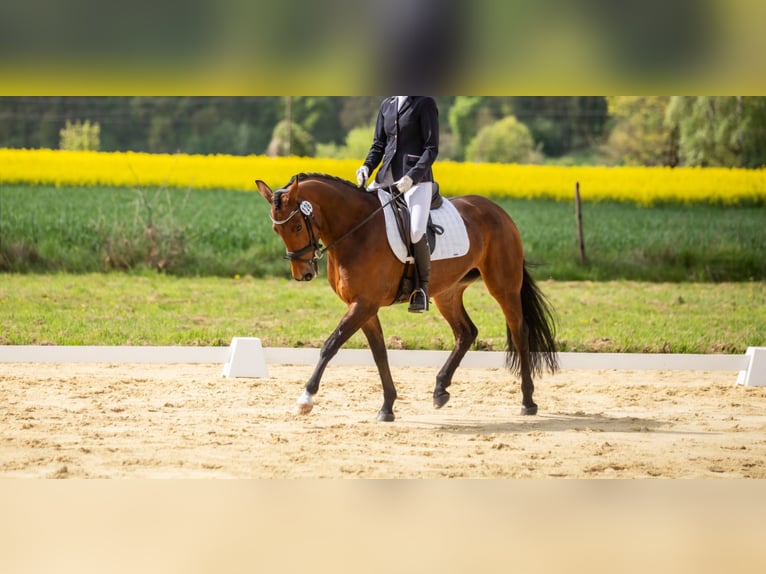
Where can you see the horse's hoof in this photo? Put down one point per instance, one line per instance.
(303, 408)
(441, 400)
(304, 404)
(384, 417)
(529, 411)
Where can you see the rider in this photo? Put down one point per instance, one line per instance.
(406, 140)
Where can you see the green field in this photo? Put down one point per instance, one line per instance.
(156, 309)
(227, 233)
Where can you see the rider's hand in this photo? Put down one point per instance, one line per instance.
(404, 184)
(362, 174)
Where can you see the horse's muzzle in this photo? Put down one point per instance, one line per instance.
(304, 270)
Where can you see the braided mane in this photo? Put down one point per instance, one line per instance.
(304, 176)
(322, 177)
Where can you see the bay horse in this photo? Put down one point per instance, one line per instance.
(364, 272)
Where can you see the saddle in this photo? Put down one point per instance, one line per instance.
(402, 214)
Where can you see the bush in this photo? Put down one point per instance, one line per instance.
(357, 145)
(505, 141)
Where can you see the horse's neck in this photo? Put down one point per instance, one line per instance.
(343, 209)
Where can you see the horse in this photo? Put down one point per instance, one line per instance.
(314, 208)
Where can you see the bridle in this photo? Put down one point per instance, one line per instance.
(307, 211)
(315, 246)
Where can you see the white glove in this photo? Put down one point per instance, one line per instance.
(404, 184)
(362, 174)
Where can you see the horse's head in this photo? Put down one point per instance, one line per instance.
(294, 221)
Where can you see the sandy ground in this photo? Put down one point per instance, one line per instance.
(187, 421)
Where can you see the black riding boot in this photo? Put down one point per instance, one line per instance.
(422, 255)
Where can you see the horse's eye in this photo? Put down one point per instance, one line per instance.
(298, 228)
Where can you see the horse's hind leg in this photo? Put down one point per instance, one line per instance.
(519, 337)
(450, 304)
(374, 334)
(504, 283)
(518, 332)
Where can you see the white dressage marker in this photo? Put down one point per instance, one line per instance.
(755, 375)
(246, 359)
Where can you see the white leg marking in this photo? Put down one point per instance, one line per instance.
(304, 403)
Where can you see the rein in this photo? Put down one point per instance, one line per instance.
(323, 250)
(306, 210)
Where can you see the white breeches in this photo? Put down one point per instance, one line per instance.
(418, 200)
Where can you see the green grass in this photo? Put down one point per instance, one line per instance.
(156, 309)
(225, 233)
(82, 230)
(663, 243)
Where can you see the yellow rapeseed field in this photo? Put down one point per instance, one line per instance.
(641, 185)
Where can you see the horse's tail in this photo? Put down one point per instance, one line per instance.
(541, 326)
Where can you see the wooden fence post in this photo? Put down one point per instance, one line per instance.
(578, 216)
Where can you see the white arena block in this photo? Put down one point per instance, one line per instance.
(755, 375)
(246, 359)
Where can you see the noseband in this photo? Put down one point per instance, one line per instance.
(315, 247)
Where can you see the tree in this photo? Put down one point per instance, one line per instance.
(319, 116)
(719, 130)
(290, 139)
(505, 141)
(245, 125)
(639, 135)
(562, 124)
(462, 119)
(467, 116)
(80, 136)
(358, 111)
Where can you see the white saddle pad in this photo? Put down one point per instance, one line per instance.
(452, 243)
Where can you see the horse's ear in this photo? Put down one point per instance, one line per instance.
(292, 191)
(265, 190)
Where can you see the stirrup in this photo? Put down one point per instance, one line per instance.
(418, 301)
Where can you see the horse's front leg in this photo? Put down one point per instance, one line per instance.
(356, 316)
(374, 333)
